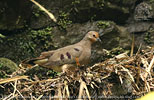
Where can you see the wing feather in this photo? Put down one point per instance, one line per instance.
(65, 55)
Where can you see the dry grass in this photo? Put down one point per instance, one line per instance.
(117, 77)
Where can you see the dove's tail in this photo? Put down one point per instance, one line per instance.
(32, 62)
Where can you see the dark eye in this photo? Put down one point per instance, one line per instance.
(94, 36)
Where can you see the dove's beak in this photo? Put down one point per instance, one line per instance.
(98, 39)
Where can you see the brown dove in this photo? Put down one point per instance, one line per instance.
(78, 53)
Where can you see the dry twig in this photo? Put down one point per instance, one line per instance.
(45, 10)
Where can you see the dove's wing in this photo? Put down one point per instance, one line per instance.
(66, 55)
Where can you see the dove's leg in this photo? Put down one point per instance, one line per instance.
(77, 61)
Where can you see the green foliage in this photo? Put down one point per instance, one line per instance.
(117, 51)
(41, 33)
(74, 5)
(75, 2)
(103, 24)
(36, 14)
(3, 74)
(64, 20)
(1, 37)
(100, 3)
(1, 65)
(147, 37)
(43, 36)
(37, 11)
(28, 46)
(93, 17)
(51, 73)
(151, 1)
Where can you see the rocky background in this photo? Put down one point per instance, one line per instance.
(26, 31)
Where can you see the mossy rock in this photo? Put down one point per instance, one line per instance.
(7, 67)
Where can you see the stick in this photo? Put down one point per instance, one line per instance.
(132, 46)
(12, 79)
(45, 10)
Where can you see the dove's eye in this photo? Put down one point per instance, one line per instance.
(94, 35)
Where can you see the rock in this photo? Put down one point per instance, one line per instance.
(145, 39)
(139, 27)
(7, 67)
(143, 33)
(18, 15)
(79, 9)
(101, 10)
(143, 11)
(14, 14)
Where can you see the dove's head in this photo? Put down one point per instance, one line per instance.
(92, 36)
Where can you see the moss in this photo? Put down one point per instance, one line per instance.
(64, 20)
(148, 36)
(36, 38)
(103, 24)
(7, 67)
(120, 6)
(75, 2)
(29, 44)
(151, 1)
(36, 14)
(100, 3)
(43, 36)
(1, 38)
(37, 11)
(117, 51)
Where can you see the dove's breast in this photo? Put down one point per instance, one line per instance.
(85, 57)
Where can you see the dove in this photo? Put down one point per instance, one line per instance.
(78, 54)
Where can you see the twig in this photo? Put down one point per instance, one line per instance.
(6, 98)
(35, 82)
(59, 92)
(45, 10)
(131, 77)
(66, 88)
(12, 79)
(82, 87)
(151, 64)
(147, 86)
(11, 98)
(139, 49)
(81, 90)
(149, 68)
(85, 86)
(39, 97)
(132, 46)
(21, 95)
(15, 87)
